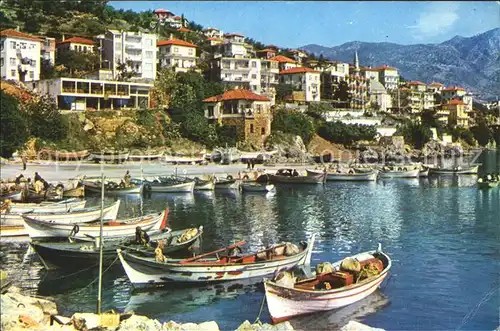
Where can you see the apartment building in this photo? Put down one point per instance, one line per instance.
(331, 76)
(299, 55)
(48, 49)
(388, 76)
(249, 113)
(459, 93)
(305, 80)
(370, 74)
(235, 46)
(176, 53)
(77, 44)
(435, 87)
(89, 94)
(457, 113)
(135, 49)
(284, 62)
(19, 56)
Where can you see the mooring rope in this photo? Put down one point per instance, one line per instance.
(257, 320)
(74, 273)
(474, 310)
(97, 278)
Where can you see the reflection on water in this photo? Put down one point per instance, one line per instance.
(442, 233)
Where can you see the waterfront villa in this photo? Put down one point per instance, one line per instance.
(305, 80)
(248, 112)
(88, 94)
(457, 113)
(19, 56)
(176, 53)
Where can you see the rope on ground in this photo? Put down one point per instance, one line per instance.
(97, 278)
(257, 320)
(474, 310)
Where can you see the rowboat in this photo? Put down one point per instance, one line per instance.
(338, 287)
(228, 183)
(13, 196)
(213, 266)
(119, 228)
(75, 192)
(178, 159)
(116, 157)
(485, 184)
(169, 185)
(423, 172)
(56, 155)
(399, 173)
(51, 207)
(204, 185)
(145, 157)
(77, 255)
(470, 170)
(111, 188)
(287, 176)
(257, 187)
(339, 176)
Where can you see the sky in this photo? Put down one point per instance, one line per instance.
(331, 23)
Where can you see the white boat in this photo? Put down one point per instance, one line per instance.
(470, 170)
(291, 176)
(204, 185)
(177, 159)
(161, 187)
(257, 187)
(95, 187)
(339, 176)
(424, 172)
(52, 207)
(399, 173)
(111, 229)
(227, 184)
(116, 157)
(145, 157)
(288, 297)
(213, 267)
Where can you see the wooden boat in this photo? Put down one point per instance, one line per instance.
(116, 157)
(145, 157)
(50, 207)
(287, 176)
(204, 185)
(228, 183)
(470, 170)
(423, 172)
(17, 195)
(111, 188)
(257, 187)
(485, 184)
(339, 176)
(56, 155)
(180, 159)
(77, 255)
(116, 228)
(287, 297)
(76, 192)
(400, 172)
(213, 267)
(169, 185)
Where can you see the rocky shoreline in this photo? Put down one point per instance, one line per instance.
(21, 312)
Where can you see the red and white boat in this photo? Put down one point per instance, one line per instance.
(326, 291)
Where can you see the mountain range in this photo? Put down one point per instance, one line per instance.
(469, 62)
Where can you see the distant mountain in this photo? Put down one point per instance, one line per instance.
(473, 63)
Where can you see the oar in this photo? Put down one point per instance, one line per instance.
(194, 258)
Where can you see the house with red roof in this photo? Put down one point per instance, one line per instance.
(247, 112)
(435, 87)
(77, 44)
(177, 54)
(266, 53)
(19, 56)
(305, 80)
(459, 93)
(213, 33)
(417, 85)
(284, 62)
(388, 76)
(458, 114)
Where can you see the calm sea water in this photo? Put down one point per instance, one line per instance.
(442, 233)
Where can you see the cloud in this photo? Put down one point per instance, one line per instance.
(435, 20)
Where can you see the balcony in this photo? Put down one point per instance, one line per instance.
(133, 46)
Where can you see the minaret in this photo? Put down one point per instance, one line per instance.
(356, 63)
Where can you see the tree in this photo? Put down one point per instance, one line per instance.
(13, 125)
(77, 63)
(126, 70)
(293, 122)
(416, 134)
(346, 134)
(282, 91)
(342, 94)
(482, 133)
(45, 121)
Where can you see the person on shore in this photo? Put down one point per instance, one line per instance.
(25, 162)
(127, 178)
(248, 164)
(252, 162)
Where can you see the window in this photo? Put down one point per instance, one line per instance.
(13, 73)
(148, 66)
(176, 49)
(32, 74)
(210, 111)
(1, 62)
(23, 45)
(149, 54)
(12, 61)
(263, 131)
(118, 46)
(191, 52)
(46, 43)
(13, 44)
(2, 45)
(85, 49)
(254, 64)
(254, 76)
(251, 128)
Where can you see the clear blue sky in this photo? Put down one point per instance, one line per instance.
(298, 23)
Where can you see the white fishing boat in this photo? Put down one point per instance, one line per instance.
(180, 159)
(257, 187)
(341, 285)
(228, 183)
(145, 157)
(112, 188)
(345, 176)
(204, 185)
(423, 172)
(460, 170)
(169, 185)
(400, 172)
(51, 207)
(111, 229)
(213, 267)
(291, 176)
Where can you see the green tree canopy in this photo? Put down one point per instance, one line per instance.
(346, 134)
(294, 122)
(45, 121)
(416, 134)
(13, 125)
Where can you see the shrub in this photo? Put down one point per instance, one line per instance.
(13, 125)
(293, 122)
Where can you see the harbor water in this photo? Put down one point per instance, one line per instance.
(442, 233)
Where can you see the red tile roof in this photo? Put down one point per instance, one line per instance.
(177, 18)
(282, 59)
(435, 84)
(160, 11)
(384, 67)
(211, 29)
(213, 38)
(416, 82)
(183, 29)
(177, 42)
(237, 94)
(77, 40)
(266, 50)
(16, 34)
(454, 88)
(234, 35)
(456, 102)
(297, 70)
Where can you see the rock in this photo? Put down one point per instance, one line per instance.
(171, 326)
(209, 326)
(356, 326)
(18, 310)
(247, 326)
(136, 322)
(88, 125)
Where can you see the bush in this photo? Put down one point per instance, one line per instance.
(44, 119)
(13, 125)
(415, 133)
(346, 134)
(293, 122)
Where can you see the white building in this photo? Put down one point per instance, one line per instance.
(19, 56)
(48, 49)
(136, 49)
(213, 33)
(77, 44)
(89, 94)
(235, 46)
(379, 96)
(176, 53)
(459, 93)
(303, 79)
(285, 63)
(388, 76)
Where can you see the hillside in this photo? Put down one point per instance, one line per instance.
(471, 62)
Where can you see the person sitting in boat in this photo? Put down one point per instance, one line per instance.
(127, 178)
(19, 178)
(295, 173)
(141, 236)
(160, 258)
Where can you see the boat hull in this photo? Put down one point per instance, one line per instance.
(76, 192)
(227, 185)
(400, 174)
(487, 185)
(54, 207)
(174, 188)
(466, 171)
(116, 158)
(206, 186)
(313, 179)
(119, 191)
(332, 176)
(254, 187)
